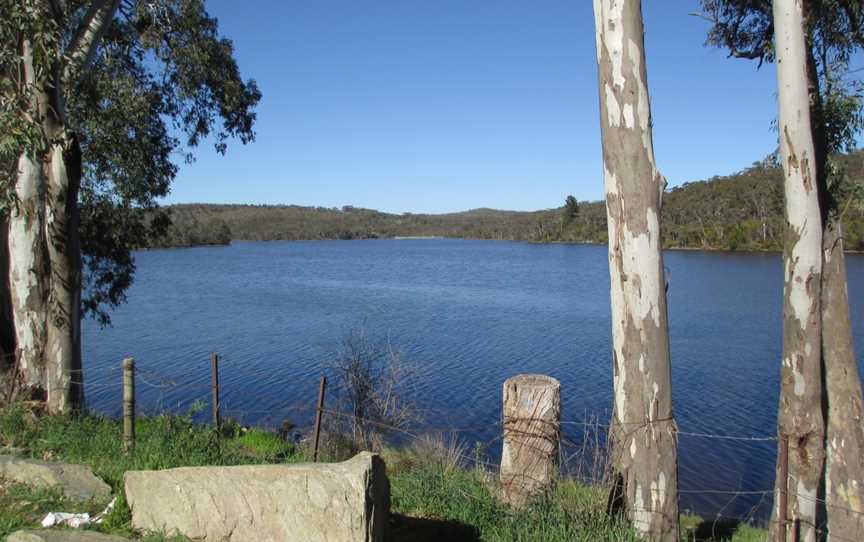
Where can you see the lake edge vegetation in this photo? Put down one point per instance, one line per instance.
(431, 489)
(739, 212)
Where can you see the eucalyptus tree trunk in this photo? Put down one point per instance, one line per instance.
(43, 233)
(27, 265)
(645, 465)
(800, 417)
(844, 468)
(63, 381)
(44, 280)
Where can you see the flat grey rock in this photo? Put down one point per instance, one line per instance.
(312, 502)
(60, 535)
(74, 481)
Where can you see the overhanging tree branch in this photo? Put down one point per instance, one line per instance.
(83, 46)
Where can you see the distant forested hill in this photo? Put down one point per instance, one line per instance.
(743, 211)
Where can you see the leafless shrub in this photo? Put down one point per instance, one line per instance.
(588, 460)
(374, 386)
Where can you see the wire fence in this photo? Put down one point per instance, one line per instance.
(583, 449)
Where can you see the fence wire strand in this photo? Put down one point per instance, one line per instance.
(595, 435)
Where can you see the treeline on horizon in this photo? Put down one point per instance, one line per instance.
(742, 211)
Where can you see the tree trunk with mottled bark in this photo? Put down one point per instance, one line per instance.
(63, 339)
(844, 461)
(800, 417)
(44, 264)
(27, 262)
(644, 444)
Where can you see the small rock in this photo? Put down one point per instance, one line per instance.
(46, 535)
(74, 481)
(313, 502)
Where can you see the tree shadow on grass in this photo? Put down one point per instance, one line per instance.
(406, 528)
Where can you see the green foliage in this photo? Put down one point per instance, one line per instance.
(571, 210)
(160, 69)
(163, 69)
(20, 129)
(194, 231)
(835, 32)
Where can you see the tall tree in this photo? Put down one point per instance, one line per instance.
(800, 418)
(643, 434)
(89, 93)
(830, 32)
(571, 210)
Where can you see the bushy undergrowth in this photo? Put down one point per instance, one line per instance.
(435, 496)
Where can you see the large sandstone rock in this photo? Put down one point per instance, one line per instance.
(74, 481)
(45, 535)
(313, 502)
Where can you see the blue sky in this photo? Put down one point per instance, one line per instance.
(448, 105)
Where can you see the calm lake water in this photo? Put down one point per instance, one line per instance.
(470, 314)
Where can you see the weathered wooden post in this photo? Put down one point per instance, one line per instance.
(532, 426)
(128, 405)
(320, 411)
(214, 380)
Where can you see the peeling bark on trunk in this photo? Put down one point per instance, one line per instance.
(26, 272)
(844, 468)
(27, 252)
(800, 416)
(44, 256)
(645, 466)
(44, 265)
(63, 379)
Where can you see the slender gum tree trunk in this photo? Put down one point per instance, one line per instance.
(800, 415)
(62, 351)
(844, 468)
(27, 252)
(643, 436)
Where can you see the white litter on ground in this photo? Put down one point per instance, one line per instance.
(76, 521)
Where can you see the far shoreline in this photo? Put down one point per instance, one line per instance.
(446, 238)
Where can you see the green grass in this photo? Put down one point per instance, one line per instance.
(22, 507)
(462, 501)
(431, 499)
(162, 442)
(258, 443)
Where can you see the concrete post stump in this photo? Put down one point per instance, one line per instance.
(532, 426)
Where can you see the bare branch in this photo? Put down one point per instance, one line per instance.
(701, 15)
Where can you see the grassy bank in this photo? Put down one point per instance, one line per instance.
(433, 497)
